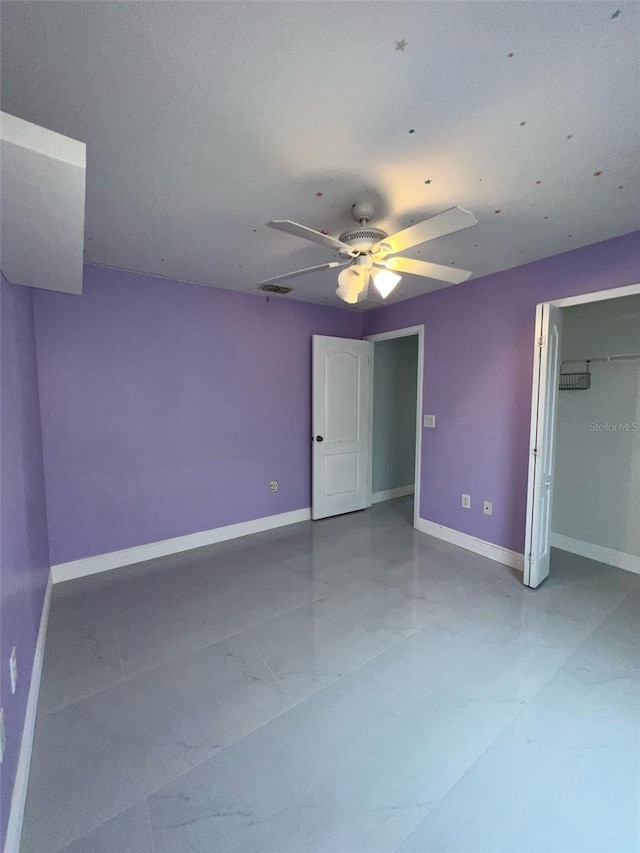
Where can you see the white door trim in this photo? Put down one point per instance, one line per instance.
(597, 296)
(406, 332)
(21, 782)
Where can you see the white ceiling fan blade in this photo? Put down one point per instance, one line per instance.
(287, 275)
(454, 219)
(426, 269)
(298, 230)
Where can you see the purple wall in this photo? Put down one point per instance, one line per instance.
(477, 380)
(168, 407)
(24, 551)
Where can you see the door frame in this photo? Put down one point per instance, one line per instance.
(536, 412)
(406, 332)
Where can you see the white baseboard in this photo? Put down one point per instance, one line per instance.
(619, 559)
(138, 554)
(471, 543)
(390, 494)
(19, 796)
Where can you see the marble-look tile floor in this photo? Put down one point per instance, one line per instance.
(344, 686)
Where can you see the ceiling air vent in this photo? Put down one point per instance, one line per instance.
(275, 288)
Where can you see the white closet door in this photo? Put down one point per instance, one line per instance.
(546, 377)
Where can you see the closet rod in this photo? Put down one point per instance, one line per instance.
(607, 359)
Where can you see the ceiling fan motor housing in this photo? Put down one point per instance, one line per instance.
(362, 239)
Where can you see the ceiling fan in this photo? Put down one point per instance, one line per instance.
(370, 254)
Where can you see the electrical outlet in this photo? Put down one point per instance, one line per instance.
(3, 736)
(13, 669)
(273, 486)
(487, 508)
(430, 421)
(466, 501)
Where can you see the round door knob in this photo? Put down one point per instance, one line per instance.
(319, 438)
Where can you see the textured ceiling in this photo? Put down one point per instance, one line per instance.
(205, 120)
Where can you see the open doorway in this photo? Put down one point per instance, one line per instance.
(396, 415)
(584, 472)
(342, 463)
(596, 502)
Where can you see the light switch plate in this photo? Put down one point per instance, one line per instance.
(466, 501)
(430, 421)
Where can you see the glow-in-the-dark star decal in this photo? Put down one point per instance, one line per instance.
(400, 45)
(616, 13)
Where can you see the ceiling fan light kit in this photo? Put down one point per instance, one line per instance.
(352, 282)
(384, 281)
(364, 251)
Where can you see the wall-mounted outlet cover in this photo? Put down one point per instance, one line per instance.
(466, 501)
(430, 421)
(487, 508)
(273, 486)
(3, 736)
(13, 669)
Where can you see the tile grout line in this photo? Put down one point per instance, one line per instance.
(265, 723)
(271, 670)
(388, 650)
(132, 804)
(117, 637)
(146, 811)
(175, 778)
(280, 714)
(128, 610)
(473, 762)
(132, 678)
(257, 728)
(518, 713)
(144, 797)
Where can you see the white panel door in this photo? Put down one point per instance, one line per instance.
(546, 378)
(341, 430)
